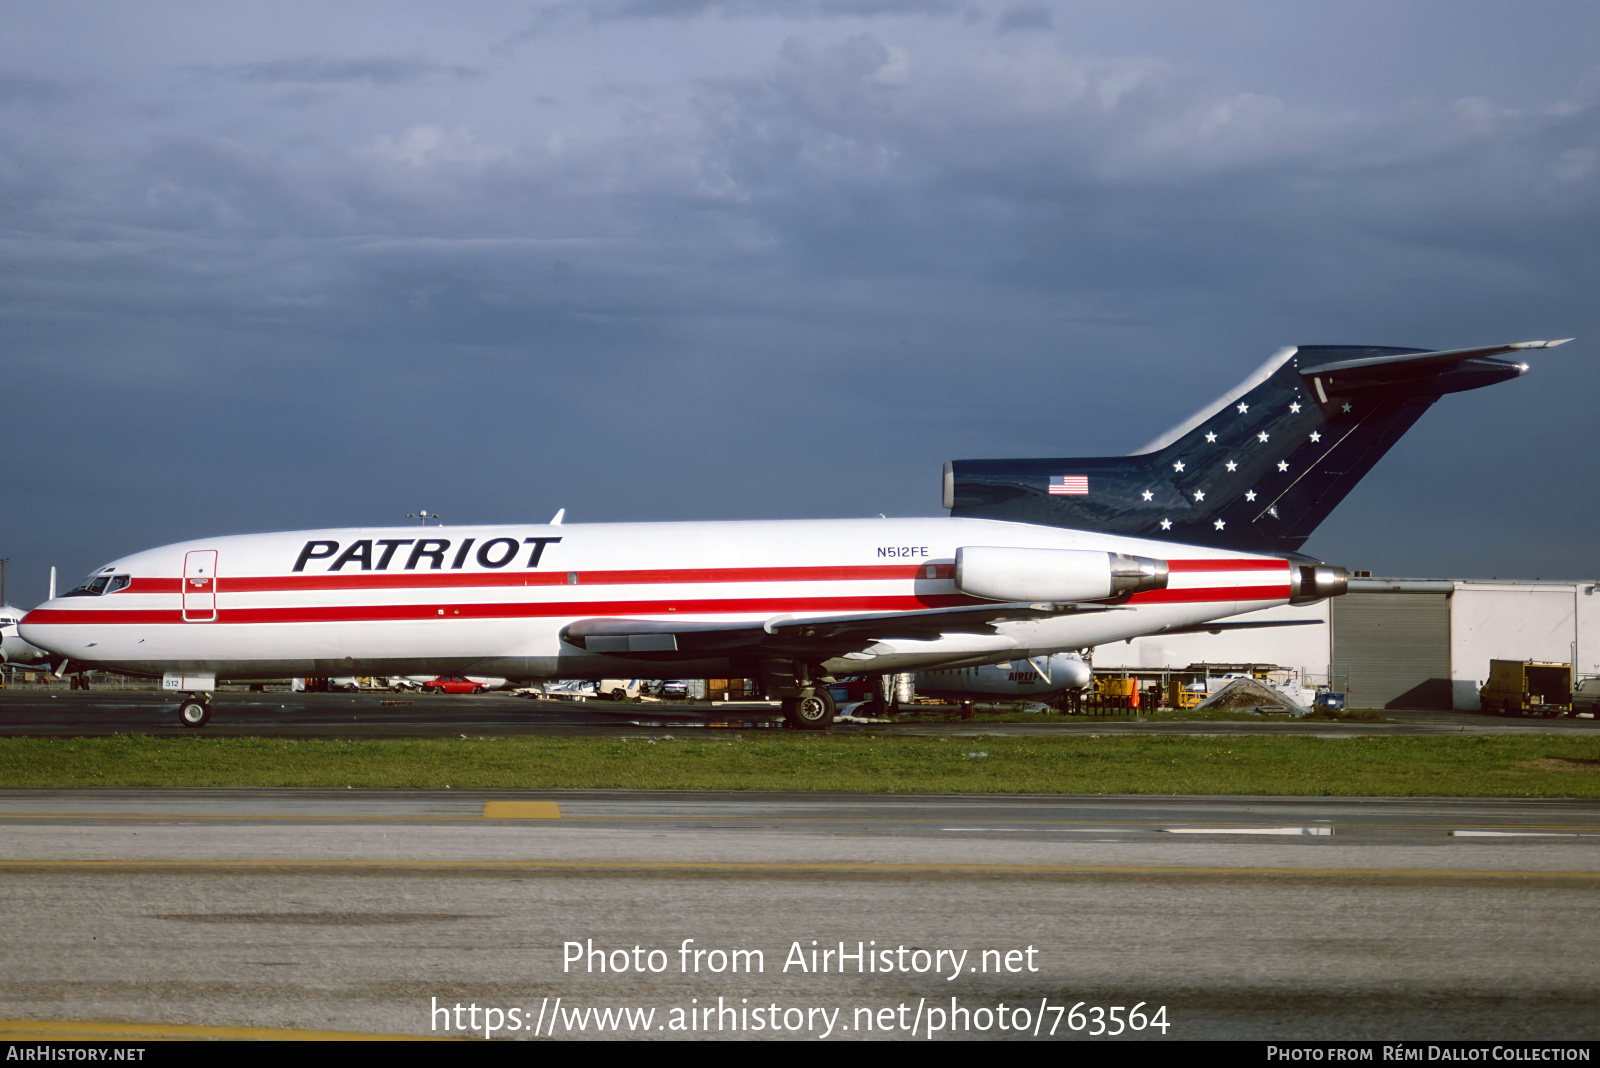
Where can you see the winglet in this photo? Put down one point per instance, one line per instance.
(1540, 344)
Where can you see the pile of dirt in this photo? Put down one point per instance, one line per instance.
(1250, 693)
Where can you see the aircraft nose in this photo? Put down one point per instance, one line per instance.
(35, 632)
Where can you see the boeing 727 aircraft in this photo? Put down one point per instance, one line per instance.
(1037, 556)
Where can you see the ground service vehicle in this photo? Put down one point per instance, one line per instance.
(1329, 701)
(1527, 687)
(1037, 556)
(1586, 697)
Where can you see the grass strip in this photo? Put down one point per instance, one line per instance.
(1472, 766)
(940, 714)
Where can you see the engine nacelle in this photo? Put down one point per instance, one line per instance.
(1001, 573)
(1311, 583)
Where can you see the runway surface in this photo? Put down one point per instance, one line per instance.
(362, 911)
(70, 713)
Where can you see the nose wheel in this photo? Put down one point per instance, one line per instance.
(194, 712)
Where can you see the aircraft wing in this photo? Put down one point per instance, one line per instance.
(812, 637)
(1218, 628)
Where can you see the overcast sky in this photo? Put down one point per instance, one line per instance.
(288, 265)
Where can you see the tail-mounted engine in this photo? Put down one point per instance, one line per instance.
(1001, 573)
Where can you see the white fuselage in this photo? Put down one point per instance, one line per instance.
(1009, 678)
(492, 600)
(13, 650)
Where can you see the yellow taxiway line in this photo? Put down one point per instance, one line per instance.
(494, 810)
(109, 1031)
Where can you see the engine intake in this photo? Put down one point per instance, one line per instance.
(1002, 573)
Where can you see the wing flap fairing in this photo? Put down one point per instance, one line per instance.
(810, 637)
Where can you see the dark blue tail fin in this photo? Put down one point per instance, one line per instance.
(1256, 470)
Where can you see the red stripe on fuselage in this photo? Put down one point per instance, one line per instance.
(1174, 566)
(546, 609)
(512, 610)
(1215, 593)
(377, 580)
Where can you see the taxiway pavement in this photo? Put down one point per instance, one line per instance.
(75, 713)
(362, 910)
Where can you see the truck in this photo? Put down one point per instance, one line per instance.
(1527, 688)
(1586, 697)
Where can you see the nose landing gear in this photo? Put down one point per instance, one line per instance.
(195, 710)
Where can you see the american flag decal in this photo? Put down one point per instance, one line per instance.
(1069, 485)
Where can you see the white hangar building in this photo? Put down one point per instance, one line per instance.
(1398, 643)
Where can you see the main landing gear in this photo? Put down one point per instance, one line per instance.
(195, 710)
(807, 704)
(811, 712)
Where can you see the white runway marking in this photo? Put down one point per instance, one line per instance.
(1520, 834)
(1322, 831)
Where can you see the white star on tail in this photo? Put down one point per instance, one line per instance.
(1294, 408)
(1147, 495)
(1199, 495)
(1315, 436)
(1178, 466)
(1250, 496)
(1232, 466)
(1283, 465)
(1346, 408)
(1243, 408)
(1166, 524)
(1211, 437)
(1262, 436)
(1220, 524)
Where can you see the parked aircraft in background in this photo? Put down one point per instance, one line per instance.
(13, 650)
(1037, 556)
(1035, 679)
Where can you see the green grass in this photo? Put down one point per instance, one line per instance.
(1471, 766)
(939, 714)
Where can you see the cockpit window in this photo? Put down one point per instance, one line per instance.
(119, 582)
(93, 588)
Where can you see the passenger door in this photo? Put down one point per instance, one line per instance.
(200, 586)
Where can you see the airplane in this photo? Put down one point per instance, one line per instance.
(14, 652)
(1037, 556)
(1035, 678)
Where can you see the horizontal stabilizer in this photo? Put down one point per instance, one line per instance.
(1418, 359)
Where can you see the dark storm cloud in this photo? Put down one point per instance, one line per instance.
(607, 10)
(319, 70)
(19, 88)
(554, 17)
(1024, 17)
(789, 286)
